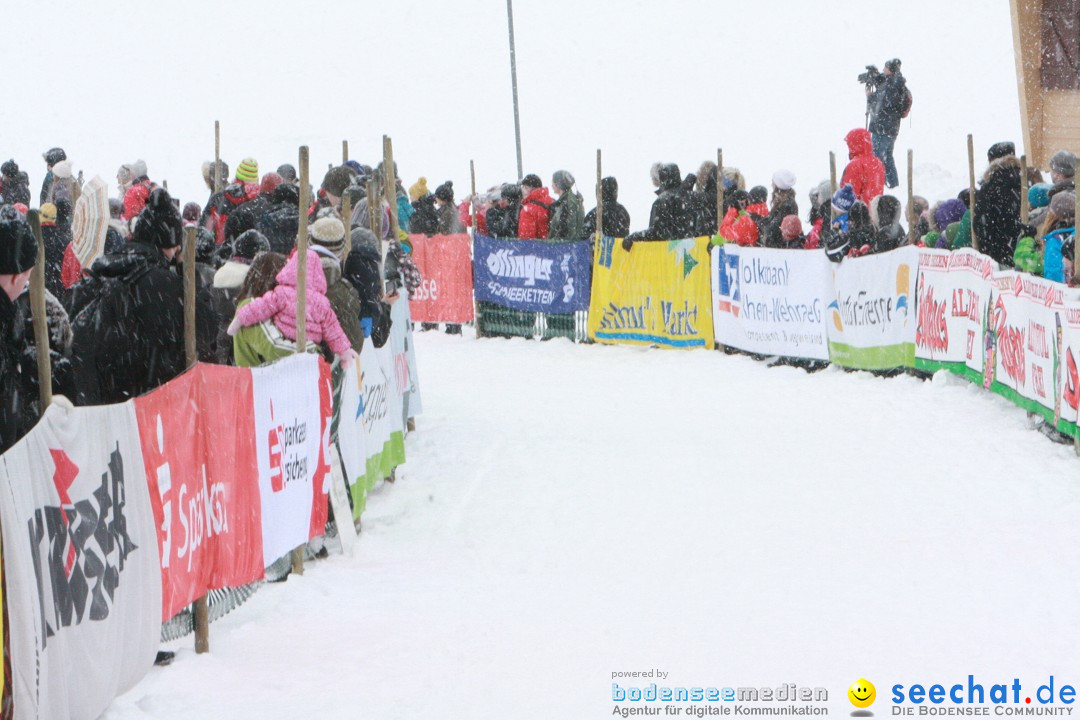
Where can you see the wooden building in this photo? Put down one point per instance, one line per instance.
(1046, 39)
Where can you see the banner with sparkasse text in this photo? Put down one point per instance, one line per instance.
(657, 293)
(533, 275)
(446, 288)
(81, 566)
(771, 301)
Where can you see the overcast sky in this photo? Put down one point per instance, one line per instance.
(773, 82)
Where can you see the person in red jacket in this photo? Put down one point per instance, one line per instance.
(864, 172)
(136, 196)
(535, 209)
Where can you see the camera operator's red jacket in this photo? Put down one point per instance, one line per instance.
(865, 172)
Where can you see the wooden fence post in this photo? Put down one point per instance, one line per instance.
(390, 180)
(832, 180)
(217, 157)
(344, 151)
(346, 217)
(301, 297)
(912, 217)
(971, 189)
(1025, 206)
(719, 188)
(37, 309)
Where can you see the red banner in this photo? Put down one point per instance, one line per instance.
(204, 484)
(446, 293)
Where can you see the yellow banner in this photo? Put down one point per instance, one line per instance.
(658, 293)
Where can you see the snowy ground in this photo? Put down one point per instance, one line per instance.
(571, 511)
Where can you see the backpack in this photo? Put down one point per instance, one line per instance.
(908, 100)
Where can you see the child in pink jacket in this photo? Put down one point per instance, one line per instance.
(280, 305)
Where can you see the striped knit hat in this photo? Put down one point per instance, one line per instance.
(330, 233)
(248, 171)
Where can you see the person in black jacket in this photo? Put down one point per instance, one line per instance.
(616, 219)
(361, 270)
(425, 221)
(885, 212)
(887, 104)
(997, 205)
(18, 255)
(282, 223)
(128, 314)
(669, 217)
(13, 189)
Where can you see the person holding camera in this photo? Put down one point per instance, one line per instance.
(887, 104)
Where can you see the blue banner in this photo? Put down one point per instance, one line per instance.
(533, 275)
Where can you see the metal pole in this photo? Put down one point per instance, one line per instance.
(514, 83)
(911, 196)
(217, 157)
(37, 310)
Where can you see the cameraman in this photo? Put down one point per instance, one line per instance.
(886, 101)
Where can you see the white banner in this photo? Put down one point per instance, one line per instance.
(291, 443)
(81, 562)
(771, 301)
(871, 321)
(401, 341)
(1069, 382)
(952, 298)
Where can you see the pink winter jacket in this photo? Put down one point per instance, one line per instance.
(280, 305)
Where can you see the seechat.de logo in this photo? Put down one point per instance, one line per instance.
(862, 694)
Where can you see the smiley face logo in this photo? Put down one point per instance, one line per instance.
(862, 693)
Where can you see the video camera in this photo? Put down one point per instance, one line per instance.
(872, 77)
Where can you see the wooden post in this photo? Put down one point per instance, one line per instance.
(217, 157)
(971, 188)
(37, 309)
(346, 217)
(301, 296)
(599, 200)
(472, 205)
(832, 180)
(200, 608)
(912, 218)
(374, 210)
(165, 184)
(344, 151)
(719, 188)
(1025, 206)
(390, 180)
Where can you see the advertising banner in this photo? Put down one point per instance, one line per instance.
(657, 293)
(533, 275)
(404, 349)
(204, 482)
(446, 291)
(772, 301)
(1069, 384)
(292, 436)
(952, 297)
(1024, 342)
(81, 562)
(871, 321)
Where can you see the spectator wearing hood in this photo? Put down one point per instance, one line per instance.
(51, 157)
(1038, 202)
(281, 222)
(997, 205)
(568, 210)
(136, 196)
(12, 187)
(361, 270)
(130, 340)
(885, 214)
(449, 221)
(535, 219)
(616, 220)
(1058, 242)
(18, 255)
(669, 217)
(820, 212)
(1062, 172)
(864, 171)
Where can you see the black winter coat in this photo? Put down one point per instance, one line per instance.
(616, 218)
(16, 374)
(669, 219)
(887, 106)
(56, 239)
(13, 191)
(425, 221)
(280, 227)
(128, 325)
(997, 210)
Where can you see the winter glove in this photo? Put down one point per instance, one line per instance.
(234, 326)
(627, 243)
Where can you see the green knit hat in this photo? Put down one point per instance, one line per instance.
(248, 171)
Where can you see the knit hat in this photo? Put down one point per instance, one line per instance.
(445, 192)
(191, 212)
(791, 227)
(1063, 205)
(949, 212)
(362, 236)
(821, 193)
(138, 169)
(1063, 162)
(54, 155)
(783, 179)
(1000, 150)
(250, 244)
(531, 181)
(10, 169)
(269, 183)
(758, 194)
(48, 214)
(418, 189)
(62, 169)
(205, 246)
(337, 179)
(18, 248)
(563, 180)
(248, 171)
(159, 222)
(844, 198)
(287, 172)
(329, 232)
(1039, 195)
(951, 233)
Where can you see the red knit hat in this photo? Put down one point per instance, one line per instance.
(269, 183)
(791, 227)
